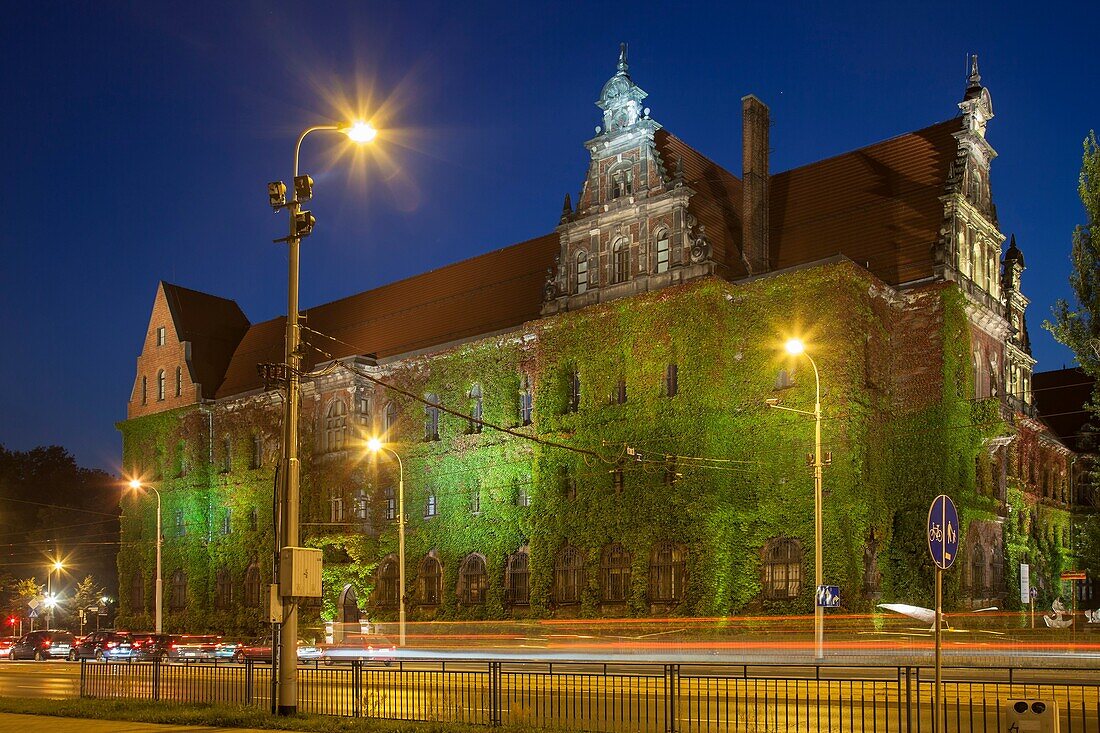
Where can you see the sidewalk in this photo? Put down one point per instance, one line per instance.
(11, 723)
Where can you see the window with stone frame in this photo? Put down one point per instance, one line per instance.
(477, 409)
(137, 593)
(227, 520)
(614, 574)
(336, 507)
(385, 593)
(472, 580)
(252, 586)
(620, 262)
(517, 591)
(179, 381)
(359, 505)
(180, 525)
(526, 401)
(160, 385)
(364, 409)
(475, 500)
(782, 568)
(177, 599)
(389, 419)
(582, 272)
(574, 403)
(667, 573)
(523, 496)
(618, 478)
(430, 582)
(662, 252)
(431, 417)
(622, 180)
(568, 575)
(431, 507)
(336, 426)
(390, 506)
(223, 590)
(619, 396)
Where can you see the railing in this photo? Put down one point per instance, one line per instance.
(627, 696)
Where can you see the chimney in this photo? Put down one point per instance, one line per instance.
(754, 175)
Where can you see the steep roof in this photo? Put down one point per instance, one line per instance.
(1060, 399)
(491, 292)
(879, 205)
(213, 325)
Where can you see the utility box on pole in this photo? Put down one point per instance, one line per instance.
(1031, 716)
(300, 572)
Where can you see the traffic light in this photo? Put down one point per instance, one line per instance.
(303, 188)
(303, 223)
(12, 621)
(276, 194)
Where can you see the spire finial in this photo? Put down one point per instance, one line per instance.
(975, 78)
(622, 58)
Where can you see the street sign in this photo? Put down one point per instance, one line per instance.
(943, 531)
(1073, 575)
(34, 603)
(33, 613)
(828, 596)
(1025, 583)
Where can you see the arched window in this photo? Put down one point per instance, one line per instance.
(179, 381)
(662, 251)
(568, 575)
(223, 590)
(477, 408)
(336, 426)
(614, 574)
(472, 580)
(525, 400)
(178, 599)
(385, 593)
(160, 385)
(430, 506)
(978, 392)
(782, 568)
(430, 581)
(137, 593)
(620, 264)
(144, 390)
(389, 418)
(667, 573)
(431, 417)
(517, 588)
(582, 272)
(252, 585)
(349, 605)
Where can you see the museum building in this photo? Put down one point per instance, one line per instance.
(583, 419)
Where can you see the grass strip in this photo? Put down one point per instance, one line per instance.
(226, 716)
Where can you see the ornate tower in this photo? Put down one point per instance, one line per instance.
(1018, 359)
(631, 230)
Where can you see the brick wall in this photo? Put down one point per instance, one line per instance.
(154, 359)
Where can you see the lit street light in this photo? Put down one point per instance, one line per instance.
(50, 600)
(136, 485)
(374, 445)
(301, 225)
(795, 347)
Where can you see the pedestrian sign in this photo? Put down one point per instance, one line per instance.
(828, 596)
(33, 613)
(943, 531)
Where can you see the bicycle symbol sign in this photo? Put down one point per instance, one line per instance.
(943, 531)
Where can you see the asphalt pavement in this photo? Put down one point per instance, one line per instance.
(49, 724)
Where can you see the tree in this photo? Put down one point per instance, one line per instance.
(86, 595)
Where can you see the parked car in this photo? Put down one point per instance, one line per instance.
(193, 648)
(372, 648)
(43, 644)
(259, 650)
(149, 647)
(102, 646)
(6, 643)
(227, 650)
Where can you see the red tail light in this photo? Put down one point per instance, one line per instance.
(110, 644)
(47, 643)
(173, 646)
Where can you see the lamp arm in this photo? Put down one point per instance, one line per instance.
(298, 145)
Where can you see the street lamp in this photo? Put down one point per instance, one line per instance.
(375, 446)
(301, 225)
(136, 485)
(795, 347)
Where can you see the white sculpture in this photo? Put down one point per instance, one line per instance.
(1055, 620)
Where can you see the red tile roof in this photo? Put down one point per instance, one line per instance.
(491, 292)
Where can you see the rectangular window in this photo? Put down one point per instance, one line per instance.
(227, 525)
(574, 391)
(617, 478)
(227, 455)
(475, 501)
(672, 380)
(662, 253)
(160, 336)
(336, 509)
(181, 528)
(359, 506)
(391, 505)
(257, 451)
(582, 274)
(619, 397)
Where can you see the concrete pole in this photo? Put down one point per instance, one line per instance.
(158, 598)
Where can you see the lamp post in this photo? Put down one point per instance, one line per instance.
(56, 566)
(795, 347)
(374, 445)
(158, 596)
(301, 223)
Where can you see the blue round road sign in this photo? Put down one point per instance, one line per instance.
(943, 531)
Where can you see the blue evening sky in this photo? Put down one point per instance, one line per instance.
(138, 139)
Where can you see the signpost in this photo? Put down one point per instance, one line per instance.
(943, 546)
(1072, 577)
(828, 596)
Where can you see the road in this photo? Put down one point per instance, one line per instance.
(612, 697)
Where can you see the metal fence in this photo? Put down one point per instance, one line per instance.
(613, 697)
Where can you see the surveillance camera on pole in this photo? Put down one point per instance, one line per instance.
(276, 195)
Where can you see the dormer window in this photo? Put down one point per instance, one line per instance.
(622, 182)
(160, 336)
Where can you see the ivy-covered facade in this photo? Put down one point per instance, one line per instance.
(598, 442)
